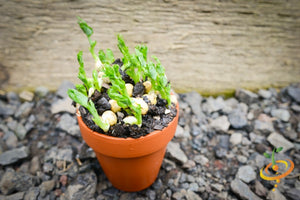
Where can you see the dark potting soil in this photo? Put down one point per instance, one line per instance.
(156, 118)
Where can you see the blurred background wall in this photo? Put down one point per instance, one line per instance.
(208, 46)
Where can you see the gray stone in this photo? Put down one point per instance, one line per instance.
(179, 195)
(16, 196)
(236, 138)
(176, 153)
(32, 193)
(24, 110)
(256, 138)
(48, 167)
(124, 196)
(242, 190)
(222, 195)
(246, 173)
(260, 190)
(281, 114)
(63, 105)
(13, 181)
(223, 141)
(26, 95)
(14, 155)
(13, 98)
(241, 159)
(275, 195)
(7, 109)
(246, 96)
(230, 105)
(35, 165)
(294, 93)
(151, 194)
(212, 105)
(193, 187)
(266, 94)
(263, 126)
(84, 187)
(202, 160)
(277, 140)
(196, 130)
(293, 193)
(10, 139)
(245, 141)
(18, 129)
(237, 119)
(54, 154)
(220, 152)
(157, 184)
(260, 161)
(181, 132)
(217, 187)
(68, 124)
(295, 108)
(41, 91)
(221, 123)
(190, 164)
(63, 88)
(168, 165)
(46, 187)
(194, 100)
(190, 195)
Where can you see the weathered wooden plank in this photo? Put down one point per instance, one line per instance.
(207, 46)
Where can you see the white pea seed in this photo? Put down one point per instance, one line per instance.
(98, 65)
(174, 99)
(143, 104)
(167, 111)
(91, 92)
(129, 88)
(109, 117)
(151, 97)
(114, 105)
(130, 120)
(156, 117)
(148, 86)
(104, 79)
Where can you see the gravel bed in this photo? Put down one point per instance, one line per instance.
(216, 153)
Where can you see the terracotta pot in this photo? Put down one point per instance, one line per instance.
(130, 164)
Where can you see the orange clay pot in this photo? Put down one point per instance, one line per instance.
(130, 164)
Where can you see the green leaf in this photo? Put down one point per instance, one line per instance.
(78, 97)
(144, 50)
(107, 58)
(83, 100)
(110, 56)
(102, 56)
(267, 155)
(279, 149)
(122, 47)
(95, 80)
(81, 88)
(81, 73)
(88, 31)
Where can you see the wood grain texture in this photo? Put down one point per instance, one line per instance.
(208, 46)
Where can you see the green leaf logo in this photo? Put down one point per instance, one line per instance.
(267, 155)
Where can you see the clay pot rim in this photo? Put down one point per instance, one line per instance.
(129, 139)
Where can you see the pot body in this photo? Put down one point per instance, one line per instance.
(130, 164)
